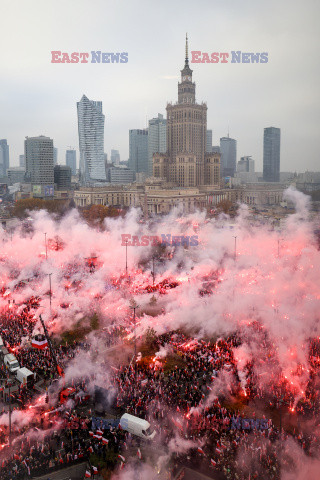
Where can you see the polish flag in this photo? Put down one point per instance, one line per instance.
(105, 441)
(213, 463)
(91, 433)
(40, 342)
(90, 449)
(99, 432)
(200, 451)
(121, 458)
(139, 453)
(95, 470)
(88, 474)
(218, 451)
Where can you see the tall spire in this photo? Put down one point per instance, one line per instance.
(187, 59)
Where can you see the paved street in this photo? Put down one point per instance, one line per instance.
(75, 472)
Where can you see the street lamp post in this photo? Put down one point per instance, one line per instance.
(153, 273)
(45, 241)
(50, 293)
(9, 385)
(126, 257)
(235, 247)
(134, 306)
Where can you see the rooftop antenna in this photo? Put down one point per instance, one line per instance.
(187, 59)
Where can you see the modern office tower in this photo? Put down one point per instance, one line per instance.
(55, 156)
(186, 162)
(209, 141)
(2, 168)
(271, 154)
(228, 148)
(91, 140)
(39, 164)
(115, 157)
(245, 164)
(4, 157)
(138, 150)
(71, 161)
(118, 175)
(22, 161)
(15, 175)
(62, 177)
(157, 139)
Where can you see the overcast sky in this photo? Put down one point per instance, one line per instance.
(38, 97)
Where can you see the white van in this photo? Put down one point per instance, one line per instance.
(25, 376)
(137, 426)
(11, 362)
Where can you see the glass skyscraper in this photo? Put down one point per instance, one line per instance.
(157, 139)
(39, 164)
(71, 161)
(91, 140)
(4, 157)
(138, 150)
(271, 154)
(228, 149)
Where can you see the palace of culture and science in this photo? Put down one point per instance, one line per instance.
(186, 162)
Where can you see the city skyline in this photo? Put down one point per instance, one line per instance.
(38, 98)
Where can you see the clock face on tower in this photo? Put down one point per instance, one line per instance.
(186, 77)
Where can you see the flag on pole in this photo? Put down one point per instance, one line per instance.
(200, 451)
(139, 453)
(95, 470)
(39, 341)
(213, 463)
(121, 458)
(105, 441)
(88, 474)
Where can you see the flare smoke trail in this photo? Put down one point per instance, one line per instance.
(280, 292)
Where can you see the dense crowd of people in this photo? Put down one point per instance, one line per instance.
(174, 400)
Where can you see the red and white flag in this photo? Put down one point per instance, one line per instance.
(88, 474)
(105, 441)
(213, 463)
(99, 432)
(95, 470)
(139, 453)
(40, 342)
(200, 451)
(121, 458)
